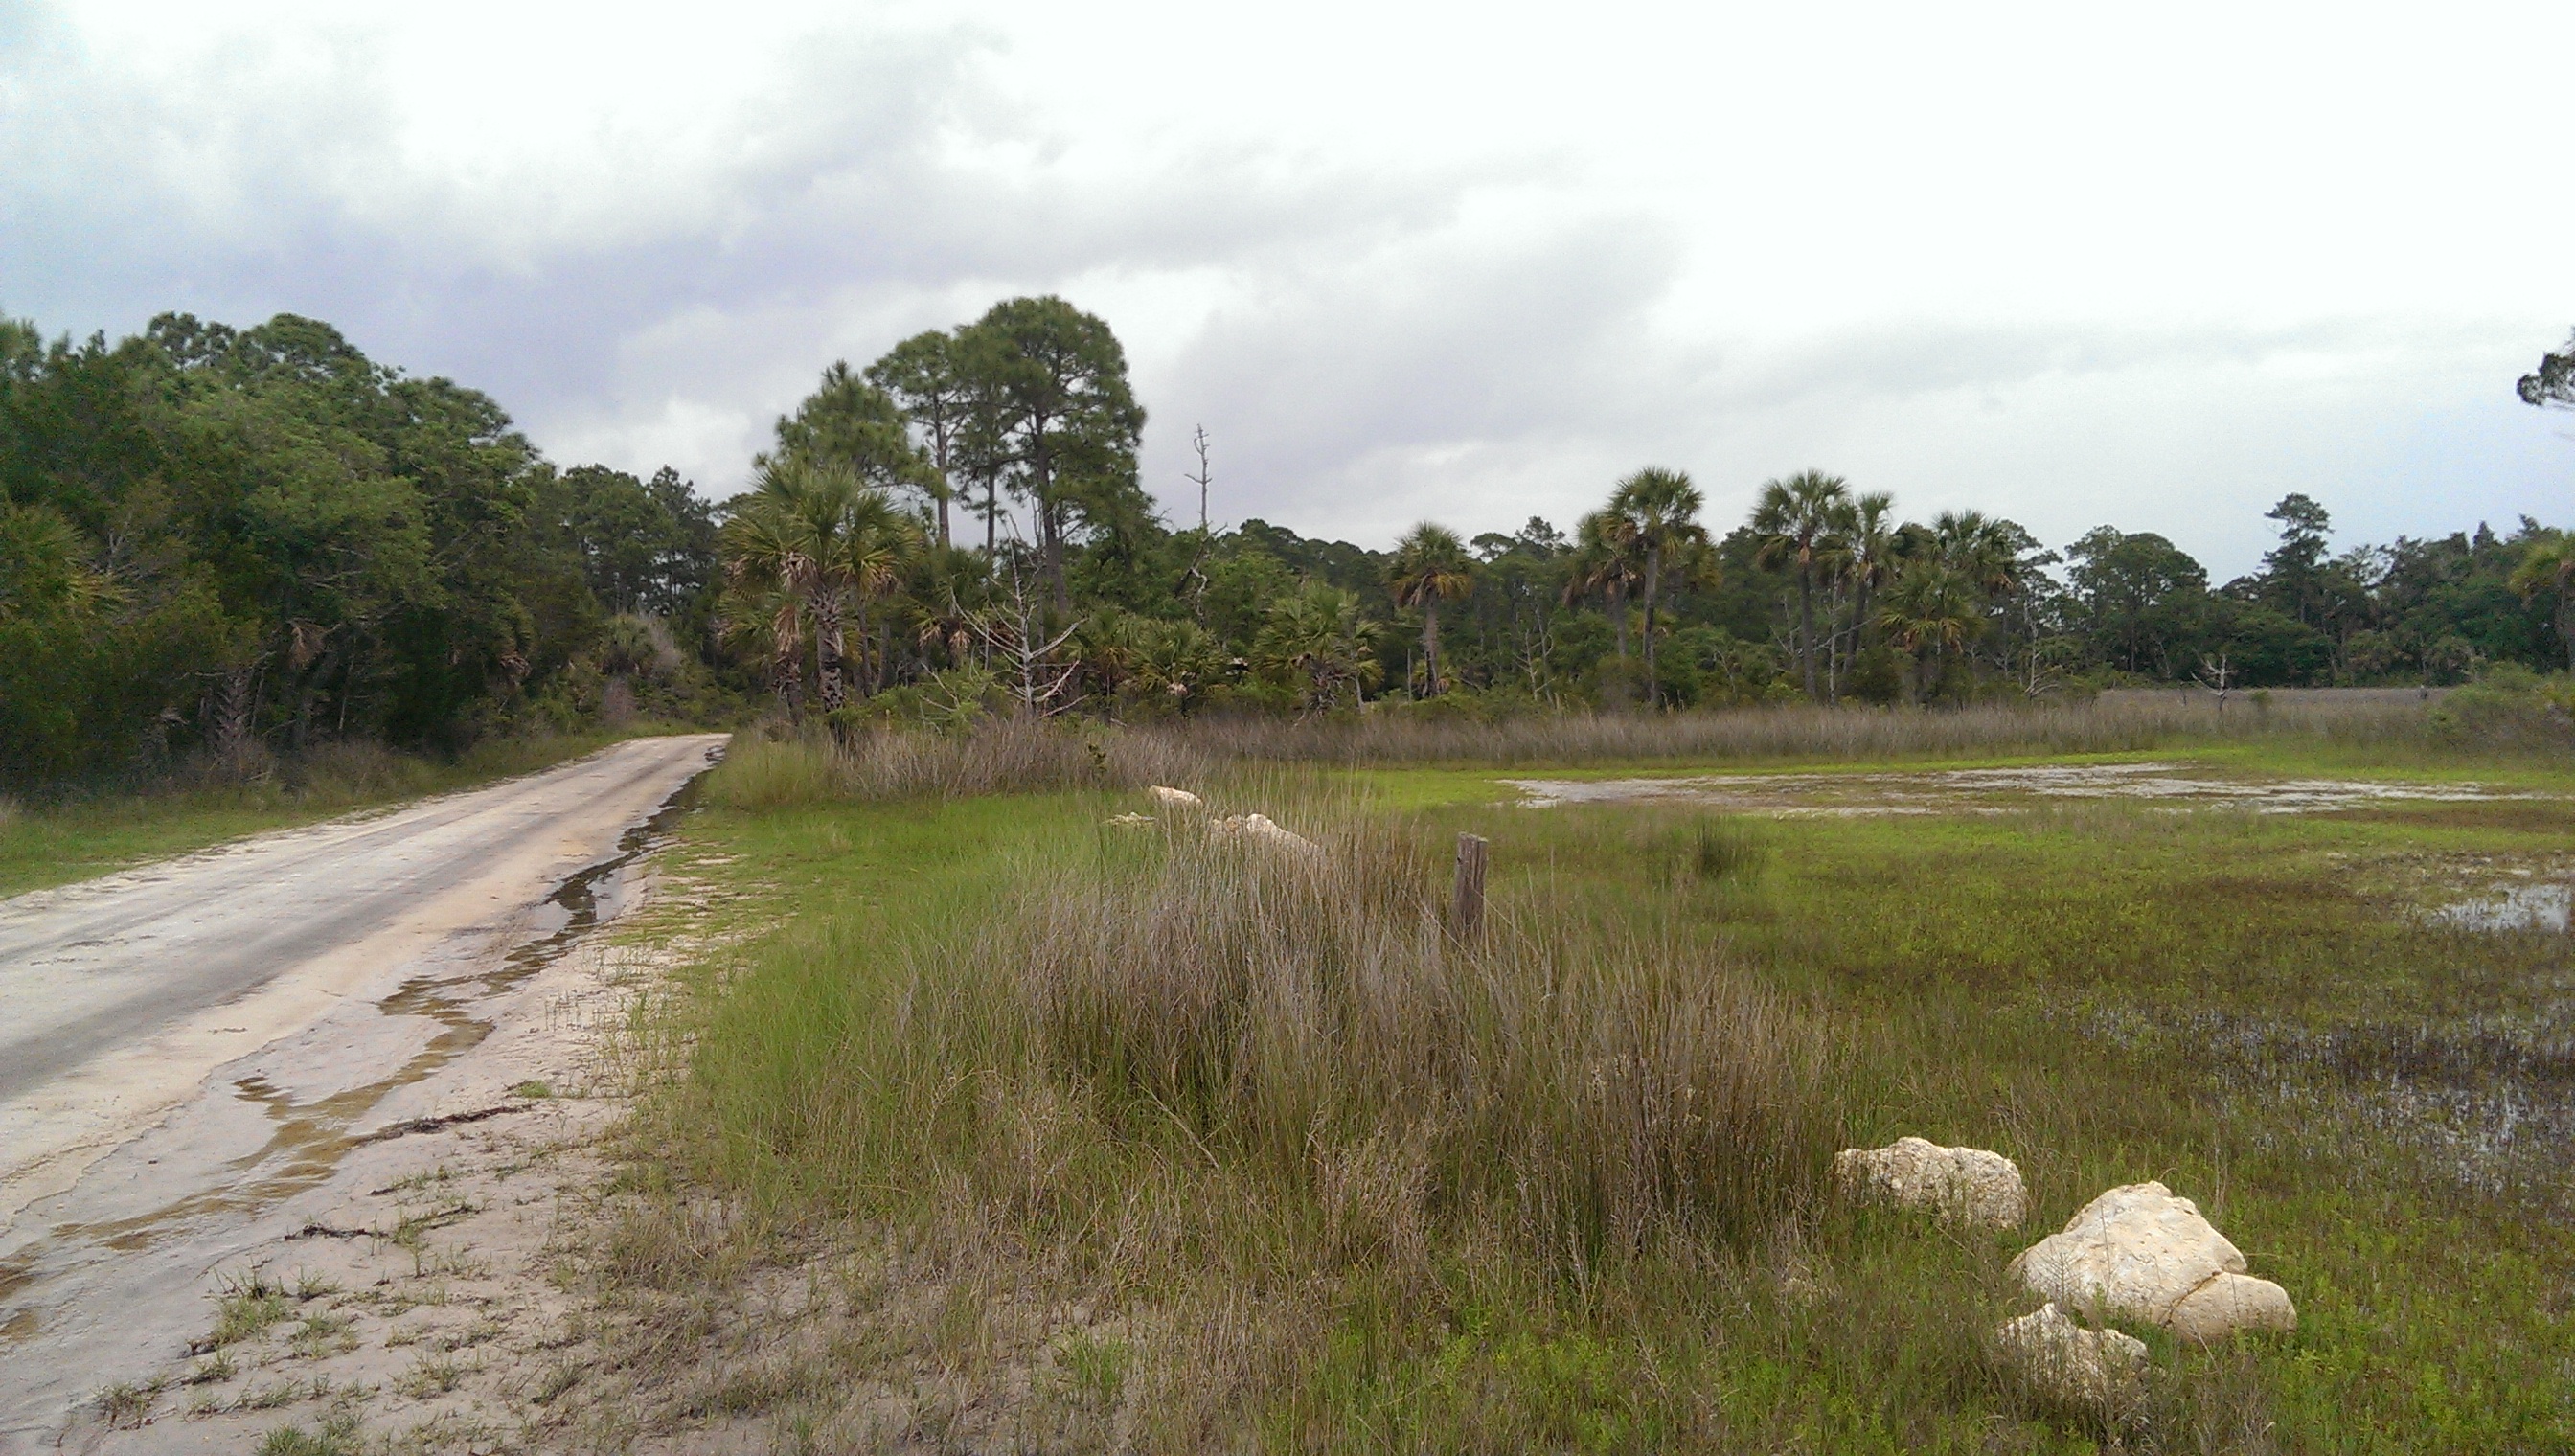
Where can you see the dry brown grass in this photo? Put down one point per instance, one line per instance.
(1316, 1020)
(2112, 723)
(780, 767)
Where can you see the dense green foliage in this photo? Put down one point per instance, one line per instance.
(1822, 594)
(223, 542)
(220, 544)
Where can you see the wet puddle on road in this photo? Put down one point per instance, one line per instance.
(308, 1139)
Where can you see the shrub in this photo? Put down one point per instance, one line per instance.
(2509, 707)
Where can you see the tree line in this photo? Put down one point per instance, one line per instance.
(842, 566)
(221, 544)
(218, 544)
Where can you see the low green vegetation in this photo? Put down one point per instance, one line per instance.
(1252, 1150)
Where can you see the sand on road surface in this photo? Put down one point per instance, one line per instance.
(186, 1045)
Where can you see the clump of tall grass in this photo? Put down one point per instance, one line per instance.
(1719, 850)
(1317, 1020)
(765, 774)
(1304, 1038)
(1002, 755)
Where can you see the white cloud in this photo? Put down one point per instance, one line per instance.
(2147, 266)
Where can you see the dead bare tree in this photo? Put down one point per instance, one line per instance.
(1198, 442)
(2216, 675)
(1014, 634)
(1198, 564)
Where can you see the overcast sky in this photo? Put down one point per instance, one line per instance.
(2152, 266)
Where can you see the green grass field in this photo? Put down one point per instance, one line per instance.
(1094, 1231)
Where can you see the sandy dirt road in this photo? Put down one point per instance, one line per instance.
(186, 1046)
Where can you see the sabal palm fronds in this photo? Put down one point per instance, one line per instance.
(1659, 511)
(1986, 551)
(1933, 606)
(1794, 523)
(1175, 660)
(1606, 564)
(1865, 551)
(1431, 565)
(814, 534)
(1317, 639)
(767, 576)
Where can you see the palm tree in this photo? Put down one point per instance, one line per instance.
(814, 544)
(1316, 638)
(1935, 605)
(877, 543)
(1660, 508)
(2549, 565)
(1864, 553)
(1794, 523)
(1985, 549)
(1175, 659)
(1431, 565)
(764, 576)
(1604, 565)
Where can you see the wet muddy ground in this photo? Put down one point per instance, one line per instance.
(107, 1281)
(1958, 790)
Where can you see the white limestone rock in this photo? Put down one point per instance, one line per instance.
(2064, 1363)
(1964, 1185)
(2138, 1253)
(1265, 832)
(1175, 799)
(2231, 1302)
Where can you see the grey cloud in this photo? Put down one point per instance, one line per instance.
(1338, 369)
(844, 194)
(1381, 349)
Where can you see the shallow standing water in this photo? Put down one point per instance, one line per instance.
(1953, 791)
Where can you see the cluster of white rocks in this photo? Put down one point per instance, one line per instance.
(2135, 1253)
(1252, 829)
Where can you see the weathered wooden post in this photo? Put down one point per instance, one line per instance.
(1467, 898)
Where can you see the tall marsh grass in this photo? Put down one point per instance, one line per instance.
(1006, 755)
(1298, 1045)
(1316, 1020)
(2111, 722)
(1032, 756)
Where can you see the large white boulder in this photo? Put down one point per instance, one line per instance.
(2066, 1363)
(1964, 1185)
(2138, 1253)
(1173, 799)
(1265, 832)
